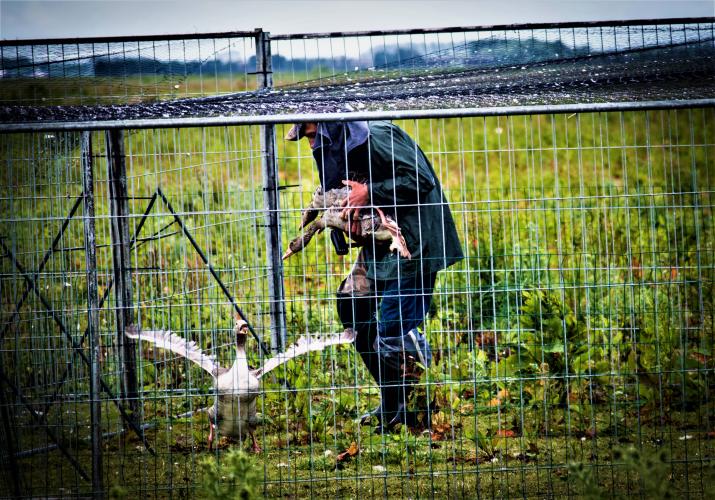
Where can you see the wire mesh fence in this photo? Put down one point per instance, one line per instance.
(571, 347)
(125, 69)
(496, 66)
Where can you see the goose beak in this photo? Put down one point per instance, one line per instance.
(240, 327)
(241, 333)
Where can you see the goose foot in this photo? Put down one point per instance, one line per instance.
(211, 436)
(255, 447)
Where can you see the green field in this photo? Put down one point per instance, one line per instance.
(578, 328)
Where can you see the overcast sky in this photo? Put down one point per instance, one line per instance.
(63, 18)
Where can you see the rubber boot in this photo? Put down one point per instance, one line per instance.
(371, 359)
(390, 405)
(401, 414)
(402, 374)
(358, 313)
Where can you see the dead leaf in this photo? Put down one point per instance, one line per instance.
(485, 340)
(533, 448)
(467, 409)
(469, 458)
(501, 396)
(700, 358)
(505, 433)
(440, 431)
(350, 452)
(636, 268)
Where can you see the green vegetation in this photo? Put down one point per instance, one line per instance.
(235, 476)
(134, 89)
(580, 323)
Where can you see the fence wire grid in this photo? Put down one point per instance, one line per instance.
(495, 66)
(572, 346)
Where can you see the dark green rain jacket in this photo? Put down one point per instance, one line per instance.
(403, 183)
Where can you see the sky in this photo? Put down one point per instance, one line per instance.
(21, 19)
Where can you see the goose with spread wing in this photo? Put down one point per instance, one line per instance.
(237, 387)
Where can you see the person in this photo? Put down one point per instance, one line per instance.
(386, 297)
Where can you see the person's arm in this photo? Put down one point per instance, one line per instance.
(402, 176)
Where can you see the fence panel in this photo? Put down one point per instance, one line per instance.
(572, 347)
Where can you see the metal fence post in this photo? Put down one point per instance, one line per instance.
(90, 245)
(276, 291)
(121, 258)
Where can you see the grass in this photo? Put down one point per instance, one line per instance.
(399, 464)
(132, 89)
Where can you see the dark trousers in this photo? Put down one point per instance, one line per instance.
(394, 308)
(404, 303)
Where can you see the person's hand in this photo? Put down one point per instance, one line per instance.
(357, 198)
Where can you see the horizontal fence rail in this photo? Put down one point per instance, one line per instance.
(354, 116)
(497, 27)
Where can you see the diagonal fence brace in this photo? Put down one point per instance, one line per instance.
(102, 300)
(78, 349)
(213, 272)
(39, 420)
(44, 261)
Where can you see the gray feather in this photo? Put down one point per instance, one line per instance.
(304, 345)
(188, 349)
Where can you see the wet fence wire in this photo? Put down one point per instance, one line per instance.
(419, 69)
(573, 346)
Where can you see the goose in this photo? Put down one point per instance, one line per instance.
(237, 387)
(373, 223)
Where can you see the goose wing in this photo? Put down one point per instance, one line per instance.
(304, 344)
(310, 213)
(188, 349)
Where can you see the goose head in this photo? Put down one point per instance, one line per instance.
(240, 331)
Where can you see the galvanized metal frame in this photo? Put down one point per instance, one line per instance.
(264, 77)
(121, 254)
(494, 27)
(341, 34)
(137, 38)
(220, 121)
(92, 313)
